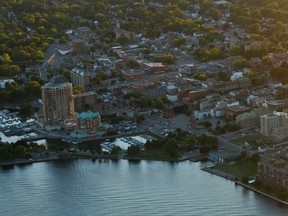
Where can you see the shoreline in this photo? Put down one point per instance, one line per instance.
(260, 192)
(234, 179)
(116, 157)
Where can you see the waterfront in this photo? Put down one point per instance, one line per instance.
(107, 187)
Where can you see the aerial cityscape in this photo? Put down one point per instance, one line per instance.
(190, 93)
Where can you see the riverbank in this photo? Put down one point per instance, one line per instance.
(23, 162)
(234, 178)
(260, 192)
(220, 173)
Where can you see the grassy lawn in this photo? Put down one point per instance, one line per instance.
(247, 138)
(198, 158)
(240, 168)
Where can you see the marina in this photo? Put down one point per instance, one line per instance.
(11, 125)
(125, 141)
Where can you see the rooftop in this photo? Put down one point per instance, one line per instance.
(58, 80)
(85, 115)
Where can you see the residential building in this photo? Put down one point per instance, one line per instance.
(274, 125)
(58, 103)
(80, 77)
(273, 173)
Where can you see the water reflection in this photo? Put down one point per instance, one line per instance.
(84, 187)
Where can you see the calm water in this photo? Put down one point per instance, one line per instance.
(83, 187)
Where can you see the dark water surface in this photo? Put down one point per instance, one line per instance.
(83, 187)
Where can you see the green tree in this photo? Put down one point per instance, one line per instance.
(171, 148)
(78, 90)
(20, 151)
(133, 150)
(215, 14)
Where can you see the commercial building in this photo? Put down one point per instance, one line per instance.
(89, 122)
(57, 98)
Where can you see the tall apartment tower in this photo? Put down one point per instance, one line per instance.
(268, 123)
(58, 102)
(274, 124)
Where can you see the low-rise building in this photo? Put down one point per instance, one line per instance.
(252, 118)
(133, 74)
(194, 95)
(155, 66)
(232, 112)
(223, 156)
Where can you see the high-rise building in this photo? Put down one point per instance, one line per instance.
(57, 98)
(273, 173)
(80, 77)
(274, 125)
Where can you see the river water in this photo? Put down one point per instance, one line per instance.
(106, 187)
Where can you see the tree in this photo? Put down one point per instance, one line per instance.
(133, 150)
(236, 50)
(5, 152)
(26, 110)
(33, 88)
(140, 118)
(201, 76)
(215, 14)
(6, 58)
(145, 102)
(78, 90)
(20, 151)
(215, 53)
(239, 64)
(171, 148)
(115, 150)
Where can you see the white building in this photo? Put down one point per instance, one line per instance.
(274, 125)
(3, 82)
